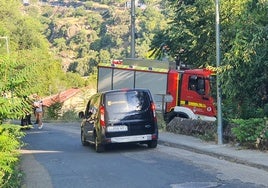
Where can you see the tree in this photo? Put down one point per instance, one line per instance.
(29, 67)
(246, 83)
(14, 81)
(104, 56)
(190, 37)
(94, 20)
(60, 43)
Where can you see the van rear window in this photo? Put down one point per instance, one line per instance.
(126, 102)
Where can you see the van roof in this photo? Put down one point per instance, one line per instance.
(124, 90)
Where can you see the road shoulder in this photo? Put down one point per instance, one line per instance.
(34, 174)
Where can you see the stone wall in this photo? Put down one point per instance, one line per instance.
(205, 129)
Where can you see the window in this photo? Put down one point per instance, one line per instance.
(92, 106)
(197, 84)
(122, 103)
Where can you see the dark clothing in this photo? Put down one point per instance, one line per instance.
(26, 120)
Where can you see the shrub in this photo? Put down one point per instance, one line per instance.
(160, 121)
(53, 112)
(252, 133)
(9, 156)
(70, 115)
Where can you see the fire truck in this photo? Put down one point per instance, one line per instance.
(177, 93)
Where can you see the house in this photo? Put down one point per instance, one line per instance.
(73, 99)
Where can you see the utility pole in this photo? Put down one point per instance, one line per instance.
(219, 111)
(132, 46)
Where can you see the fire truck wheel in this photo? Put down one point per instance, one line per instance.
(171, 115)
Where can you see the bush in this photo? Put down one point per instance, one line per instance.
(252, 133)
(70, 115)
(160, 121)
(9, 156)
(53, 112)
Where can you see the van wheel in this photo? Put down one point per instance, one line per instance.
(83, 140)
(152, 144)
(98, 147)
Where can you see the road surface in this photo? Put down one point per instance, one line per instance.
(54, 157)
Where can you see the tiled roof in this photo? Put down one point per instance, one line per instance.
(60, 97)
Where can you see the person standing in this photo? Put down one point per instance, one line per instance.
(38, 104)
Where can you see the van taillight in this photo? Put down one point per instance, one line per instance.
(153, 109)
(102, 112)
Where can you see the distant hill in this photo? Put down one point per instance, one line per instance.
(84, 33)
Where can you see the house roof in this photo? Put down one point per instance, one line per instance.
(60, 97)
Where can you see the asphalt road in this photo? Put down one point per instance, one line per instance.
(54, 157)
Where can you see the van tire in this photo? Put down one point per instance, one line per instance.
(83, 141)
(98, 147)
(152, 144)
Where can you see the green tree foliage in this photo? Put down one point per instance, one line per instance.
(9, 144)
(89, 5)
(14, 81)
(104, 56)
(94, 21)
(26, 66)
(105, 26)
(246, 83)
(54, 111)
(190, 37)
(150, 22)
(60, 43)
(251, 132)
(75, 80)
(80, 11)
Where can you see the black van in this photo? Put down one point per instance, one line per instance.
(119, 116)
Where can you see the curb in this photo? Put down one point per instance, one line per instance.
(214, 154)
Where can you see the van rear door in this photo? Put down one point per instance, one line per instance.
(129, 113)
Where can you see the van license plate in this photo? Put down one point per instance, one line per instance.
(119, 128)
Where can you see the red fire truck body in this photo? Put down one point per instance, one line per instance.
(176, 93)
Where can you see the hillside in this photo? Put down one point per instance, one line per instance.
(84, 33)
